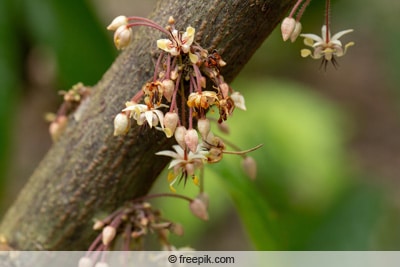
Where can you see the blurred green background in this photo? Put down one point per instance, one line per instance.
(328, 173)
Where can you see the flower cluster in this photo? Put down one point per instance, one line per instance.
(73, 98)
(126, 227)
(186, 84)
(326, 46)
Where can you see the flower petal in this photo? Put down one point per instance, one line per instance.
(164, 44)
(167, 153)
(149, 117)
(188, 36)
(340, 34)
(311, 36)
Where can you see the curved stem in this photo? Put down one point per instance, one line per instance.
(295, 7)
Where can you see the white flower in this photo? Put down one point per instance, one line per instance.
(178, 42)
(183, 162)
(325, 46)
(142, 113)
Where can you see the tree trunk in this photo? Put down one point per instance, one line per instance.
(89, 171)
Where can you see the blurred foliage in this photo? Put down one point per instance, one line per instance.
(9, 59)
(305, 196)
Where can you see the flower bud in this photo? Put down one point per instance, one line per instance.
(122, 36)
(249, 166)
(192, 139)
(170, 122)
(109, 232)
(122, 123)
(98, 225)
(117, 22)
(296, 32)
(203, 196)
(171, 20)
(85, 262)
(177, 229)
(168, 88)
(238, 99)
(174, 73)
(223, 127)
(203, 125)
(287, 27)
(180, 134)
(221, 63)
(57, 127)
(199, 209)
(224, 87)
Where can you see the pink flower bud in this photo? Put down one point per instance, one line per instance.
(168, 88)
(203, 196)
(287, 27)
(117, 22)
(224, 87)
(122, 36)
(223, 127)
(250, 167)
(109, 233)
(199, 209)
(203, 125)
(177, 229)
(57, 127)
(296, 32)
(192, 139)
(170, 122)
(180, 134)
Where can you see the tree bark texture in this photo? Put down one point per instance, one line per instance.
(89, 171)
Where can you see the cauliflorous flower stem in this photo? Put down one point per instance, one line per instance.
(146, 22)
(295, 7)
(302, 9)
(327, 20)
(243, 152)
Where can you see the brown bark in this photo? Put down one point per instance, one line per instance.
(88, 170)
